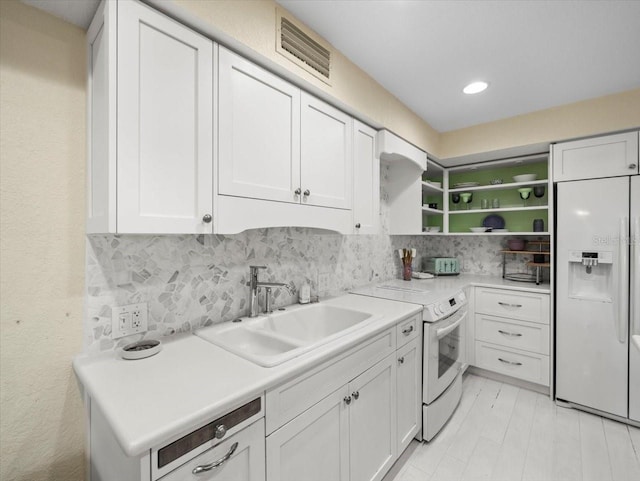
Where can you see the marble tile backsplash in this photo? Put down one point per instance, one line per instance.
(190, 281)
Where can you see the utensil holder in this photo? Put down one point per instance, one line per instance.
(406, 272)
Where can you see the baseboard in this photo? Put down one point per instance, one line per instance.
(531, 386)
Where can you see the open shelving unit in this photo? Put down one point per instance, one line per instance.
(433, 194)
(518, 215)
(544, 250)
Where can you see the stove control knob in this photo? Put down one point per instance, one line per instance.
(443, 308)
(436, 310)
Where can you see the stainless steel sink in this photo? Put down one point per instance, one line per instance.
(281, 336)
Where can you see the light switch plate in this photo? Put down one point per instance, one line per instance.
(129, 319)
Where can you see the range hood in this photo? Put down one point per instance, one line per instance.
(392, 149)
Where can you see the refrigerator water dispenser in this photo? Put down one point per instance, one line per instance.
(590, 275)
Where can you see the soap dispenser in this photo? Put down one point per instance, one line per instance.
(305, 293)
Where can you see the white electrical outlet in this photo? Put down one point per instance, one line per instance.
(323, 283)
(129, 319)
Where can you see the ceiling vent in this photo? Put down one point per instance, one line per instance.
(299, 47)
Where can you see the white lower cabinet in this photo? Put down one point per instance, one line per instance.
(512, 333)
(315, 445)
(350, 418)
(349, 435)
(408, 393)
(372, 422)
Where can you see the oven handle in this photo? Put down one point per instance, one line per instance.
(440, 333)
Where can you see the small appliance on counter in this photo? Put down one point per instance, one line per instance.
(442, 266)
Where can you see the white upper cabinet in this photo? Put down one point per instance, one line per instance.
(160, 141)
(326, 158)
(606, 156)
(366, 180)
(259, 132)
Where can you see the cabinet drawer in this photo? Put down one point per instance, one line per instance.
(242, 456)
(527, 336)
(520, 364)
(285, 402)
(408, 330)
(526, 306)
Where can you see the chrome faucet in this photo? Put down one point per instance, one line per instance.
(254, 287)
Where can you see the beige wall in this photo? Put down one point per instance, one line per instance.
(42, 152)
(253, 23)
(590, 117)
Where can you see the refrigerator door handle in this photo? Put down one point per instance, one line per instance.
(635, 277)
(623, 269)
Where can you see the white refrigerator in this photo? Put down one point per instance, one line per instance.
(598, 295)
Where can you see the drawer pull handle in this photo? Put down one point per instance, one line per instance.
(216, 464)
(512, 334)
(356, 395)
(407, 330)
(506, 304)
(512, 363)
(401, 360)
(347, 400)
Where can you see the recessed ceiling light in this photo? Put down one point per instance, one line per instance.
(475, 87)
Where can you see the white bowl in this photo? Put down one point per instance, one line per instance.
(434, 229)
(478, 229)
(525, 177)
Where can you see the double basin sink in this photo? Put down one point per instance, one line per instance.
(272, 339)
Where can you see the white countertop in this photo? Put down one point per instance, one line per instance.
(191, 381)
(431, 291)
(464, 280)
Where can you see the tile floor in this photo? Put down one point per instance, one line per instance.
(501, 432)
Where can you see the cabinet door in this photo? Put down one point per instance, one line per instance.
(607, 156)
(366, 180)
(326, 155)
(245, 461)
(101, 120)
(315, 445)
(165, 131)
(259, 132)
(408, 393)
(372, 421)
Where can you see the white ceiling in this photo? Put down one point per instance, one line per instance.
(78, 12)
(535, 54)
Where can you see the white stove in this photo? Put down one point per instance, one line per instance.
(443, 313)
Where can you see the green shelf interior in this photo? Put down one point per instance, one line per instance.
(515, 221)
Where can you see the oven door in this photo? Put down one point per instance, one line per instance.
(443, 353)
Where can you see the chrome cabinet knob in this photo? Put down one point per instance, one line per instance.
(401, 360)
(307, 192)
(221, 430)
(356, 395)
(206, 218)
(358, 225)
(633, 166)
(298, 191)
(347, 400)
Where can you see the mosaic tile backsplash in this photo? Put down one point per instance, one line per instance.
(190, 281)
